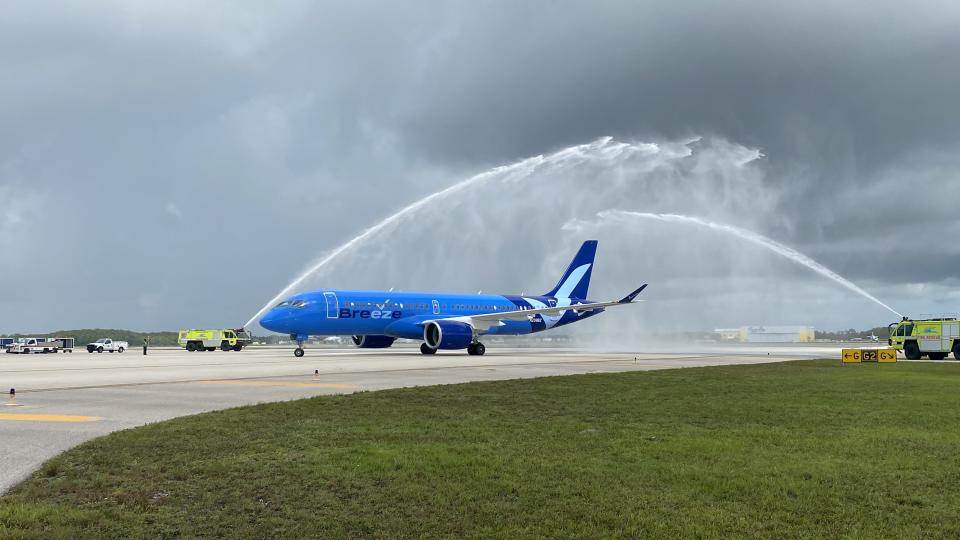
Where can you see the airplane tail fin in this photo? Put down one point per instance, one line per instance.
(576, 280)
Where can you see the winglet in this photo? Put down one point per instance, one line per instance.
(629, 298)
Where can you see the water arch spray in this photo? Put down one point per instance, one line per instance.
(753, 238)
(602, 149)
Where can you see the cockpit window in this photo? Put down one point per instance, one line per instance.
(298, 303)
(285, 303)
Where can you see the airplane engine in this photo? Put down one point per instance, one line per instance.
(447, 335)
(373, 342)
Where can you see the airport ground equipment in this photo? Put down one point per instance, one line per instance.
(66, 343)
(108, 345)
(211, 340)
(6, 342)
(41, 345)
(933, 338)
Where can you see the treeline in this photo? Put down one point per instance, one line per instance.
(89, 335)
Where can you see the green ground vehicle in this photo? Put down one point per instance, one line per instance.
(933, 338)
(211, 340)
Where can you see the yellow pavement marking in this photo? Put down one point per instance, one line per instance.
(25, 417)
(241, 382)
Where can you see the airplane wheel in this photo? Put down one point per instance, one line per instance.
(298, 352)
(476, 349)
(427, 350)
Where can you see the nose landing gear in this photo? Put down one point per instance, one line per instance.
(300, 339)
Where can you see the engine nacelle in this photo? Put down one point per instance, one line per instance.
(447, 335)
(373, 342)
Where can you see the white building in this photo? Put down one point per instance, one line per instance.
(768, 334)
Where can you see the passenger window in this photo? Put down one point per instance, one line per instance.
(908, 330)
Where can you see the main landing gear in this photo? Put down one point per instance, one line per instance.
(474, 349)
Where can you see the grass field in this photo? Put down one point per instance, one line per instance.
(801, 449)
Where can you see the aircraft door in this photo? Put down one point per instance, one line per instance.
(333, 305)
(436, 307)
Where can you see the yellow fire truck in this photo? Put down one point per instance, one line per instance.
(933, 338)
(210, 340)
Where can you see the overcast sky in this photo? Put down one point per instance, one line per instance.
(166, 165)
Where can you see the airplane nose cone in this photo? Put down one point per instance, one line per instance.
(271, 321)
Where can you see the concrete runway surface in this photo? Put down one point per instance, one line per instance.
(65, 399)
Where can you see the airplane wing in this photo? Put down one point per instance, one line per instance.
(484, 321)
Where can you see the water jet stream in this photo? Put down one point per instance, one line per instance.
(753, 238)
(604, 148)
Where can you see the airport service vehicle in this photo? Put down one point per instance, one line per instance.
(6, 342)
(108, 345)
(211, 340)
(41, 345)
(442, 321)
(933, 338)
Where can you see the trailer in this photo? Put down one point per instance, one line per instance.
(6, 342)
(66, 344)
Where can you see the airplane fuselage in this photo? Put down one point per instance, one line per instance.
(441, 320)
(401, 314)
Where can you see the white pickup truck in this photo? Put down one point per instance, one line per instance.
(107, 344)
(40, 345)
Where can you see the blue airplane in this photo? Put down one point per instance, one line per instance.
(442, 321)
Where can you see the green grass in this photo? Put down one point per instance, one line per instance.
(802, 449)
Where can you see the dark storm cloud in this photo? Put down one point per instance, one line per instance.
(187, 137)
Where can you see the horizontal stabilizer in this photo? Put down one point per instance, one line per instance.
(629, 298)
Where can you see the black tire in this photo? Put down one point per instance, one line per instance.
(956, 350)
(911, 350)
(120, 350)
(26, 351)
(298, 352)
(191, 347)
(479, 349)
(225, 346)
(238, 347)
(211, 349)
(99, 349)
(424, 349)
(938, 355)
